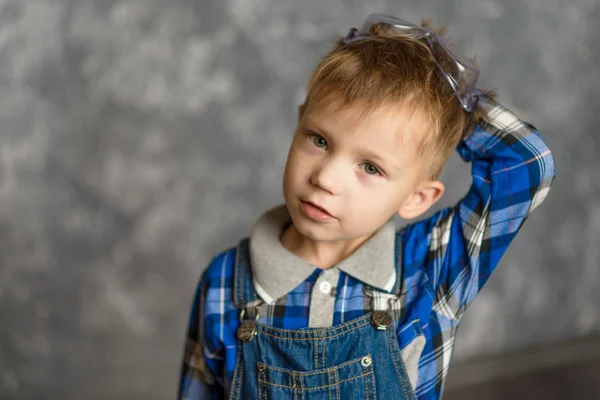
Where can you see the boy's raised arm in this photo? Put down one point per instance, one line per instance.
(512, 169)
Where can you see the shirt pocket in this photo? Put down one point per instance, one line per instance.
(353, 379)
(411, 341)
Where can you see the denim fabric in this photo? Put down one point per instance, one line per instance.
(353, 360)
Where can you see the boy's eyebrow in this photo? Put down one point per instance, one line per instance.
(373, 156)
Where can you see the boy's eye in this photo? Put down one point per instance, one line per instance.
(371, 169)
(319, 141)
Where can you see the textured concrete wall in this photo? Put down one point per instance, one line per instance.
(139, 137)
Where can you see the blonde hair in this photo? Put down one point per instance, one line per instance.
(384, 69)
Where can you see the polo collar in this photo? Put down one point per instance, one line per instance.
(277, 271)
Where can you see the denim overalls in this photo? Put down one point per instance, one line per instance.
(359, 359)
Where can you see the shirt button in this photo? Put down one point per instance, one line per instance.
(325, 287)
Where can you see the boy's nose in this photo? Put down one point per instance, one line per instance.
(326, 178)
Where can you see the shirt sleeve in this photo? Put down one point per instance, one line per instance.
(202, 366)
(512, 171)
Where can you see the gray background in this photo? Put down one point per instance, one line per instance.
(140, 137)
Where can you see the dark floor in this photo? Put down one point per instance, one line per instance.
(573, 382)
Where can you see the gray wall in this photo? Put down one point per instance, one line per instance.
(139, 137)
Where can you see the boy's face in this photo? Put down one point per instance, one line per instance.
(360, 170)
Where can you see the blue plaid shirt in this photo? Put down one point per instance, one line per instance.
(447, 259)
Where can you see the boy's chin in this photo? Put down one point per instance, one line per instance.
(316, 231)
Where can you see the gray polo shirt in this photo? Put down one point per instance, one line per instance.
(277, 271)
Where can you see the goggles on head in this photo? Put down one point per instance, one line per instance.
(460, 72)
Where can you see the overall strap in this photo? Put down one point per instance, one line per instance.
(399, 285)
(244, 294)
(392, 303)
(245, 297)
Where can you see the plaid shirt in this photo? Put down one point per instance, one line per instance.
(446, 261)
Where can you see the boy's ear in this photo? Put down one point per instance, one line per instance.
(425, 196)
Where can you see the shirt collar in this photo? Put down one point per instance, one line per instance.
(277, 271)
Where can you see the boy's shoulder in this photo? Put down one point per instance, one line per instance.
(220, 270)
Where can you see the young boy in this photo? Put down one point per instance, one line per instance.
(326, 299)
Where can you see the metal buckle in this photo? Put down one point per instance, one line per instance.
(381, 320)
(247, 329)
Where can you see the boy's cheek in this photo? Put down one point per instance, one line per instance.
(302, 158)
(305, 146)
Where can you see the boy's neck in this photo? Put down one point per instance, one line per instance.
(320, 253)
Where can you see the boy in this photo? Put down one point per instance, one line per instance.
(326, 299)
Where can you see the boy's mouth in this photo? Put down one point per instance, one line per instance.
(318, 206)
(316, 212)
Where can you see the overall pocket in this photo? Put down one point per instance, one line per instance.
(353, 379)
